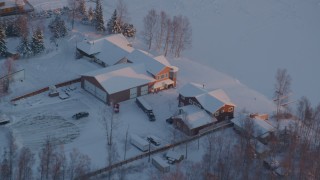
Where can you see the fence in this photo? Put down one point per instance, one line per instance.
(46, 89)
(167, 147)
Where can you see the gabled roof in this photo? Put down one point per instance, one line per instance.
(211, 101)
(260, 127)
(120, 41)
(121, 77)
(192, 90)
(195, 117)
(153, 66)
(109, 49)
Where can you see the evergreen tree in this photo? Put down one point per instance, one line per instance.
(114, 25)
(128, 30)
(3, 44)
(90, 14)
(24, 47)
(58, 27)
(37, 44)
(82, 8)
(99, 23)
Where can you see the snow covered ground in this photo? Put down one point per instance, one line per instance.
(247, 39)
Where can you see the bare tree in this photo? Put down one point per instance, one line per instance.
(150, 25)
(122, 11)
(12, 153)
(162, 28)
(168, 35)
(58, 165)
(46, 158)
(5, 167)
(304, 110)
(181, 35)
(79, 164)
(25, 163)
(125, 144)
(282, 89)
(184, 36)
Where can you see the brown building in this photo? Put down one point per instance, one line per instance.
(117, 83)
(191, 119)
(216, 103)
(14, 7)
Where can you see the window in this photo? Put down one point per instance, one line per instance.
(162, 76)
(158, 77)
(216, 114)
(166, 75)
(190, 101)
(230, 109)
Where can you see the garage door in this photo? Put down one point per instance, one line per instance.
(101, 94)
(133, 93)
(144, 90)
(89, 87)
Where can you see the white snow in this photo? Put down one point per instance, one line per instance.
(195, 117)
(121, 77)
(248, 39)
(153, 66)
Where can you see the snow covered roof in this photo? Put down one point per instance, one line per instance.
(211, 101)
(121, 77)
(260, 127)
(163, 83)
(120, 41)
(108, 49)
(163, 60)
(153, 66)
(192, 90)
(195, 117)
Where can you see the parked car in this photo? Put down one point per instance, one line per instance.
(153, 140)
(80, 115)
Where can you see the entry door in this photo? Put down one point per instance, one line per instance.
(133, 93)
(144, 90)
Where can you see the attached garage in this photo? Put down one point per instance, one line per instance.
(94, 90)
(118, 83)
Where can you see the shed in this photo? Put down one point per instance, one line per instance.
(160, 164)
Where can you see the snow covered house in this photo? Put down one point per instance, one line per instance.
(17, 7)
(159, 68)
(262, 130)
(106, 51)
(117, 83)
(216, 102)
(191, 119)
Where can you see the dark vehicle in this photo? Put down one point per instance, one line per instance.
(80, 115)
(169, 120)
(142, 103)
(116, 108)
(153, 141)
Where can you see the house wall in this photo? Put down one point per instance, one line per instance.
(179, 123)
(123, 95)
(224, 113)
(162, 75)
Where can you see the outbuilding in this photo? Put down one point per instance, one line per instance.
(117, 83)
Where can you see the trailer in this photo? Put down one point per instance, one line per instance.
(145, 106)
(140, 143)
(160, 164)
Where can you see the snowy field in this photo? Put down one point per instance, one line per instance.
(246, 39)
